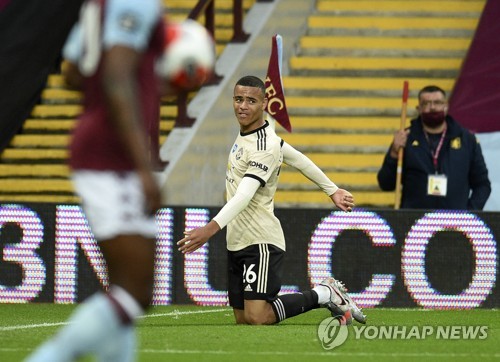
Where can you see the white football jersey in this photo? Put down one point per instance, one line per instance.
(255, 154)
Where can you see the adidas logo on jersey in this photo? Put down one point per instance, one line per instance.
(248, 288)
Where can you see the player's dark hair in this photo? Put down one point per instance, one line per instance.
(252, 81)
(431, 89)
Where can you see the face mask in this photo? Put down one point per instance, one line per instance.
(433, 119)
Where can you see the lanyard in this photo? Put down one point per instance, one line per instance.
(435, 154)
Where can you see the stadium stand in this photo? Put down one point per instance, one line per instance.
(33, 166)
(343, 93)
(345, 84)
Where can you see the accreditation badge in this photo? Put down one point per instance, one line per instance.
(437, 185)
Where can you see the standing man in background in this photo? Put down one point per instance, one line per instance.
(443, 165)
(111, 54)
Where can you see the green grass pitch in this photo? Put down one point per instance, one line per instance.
(193, 333)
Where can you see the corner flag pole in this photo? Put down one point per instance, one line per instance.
(397, 200)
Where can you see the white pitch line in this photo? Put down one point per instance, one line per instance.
(298, 353)
(317, 354)
(175, 313)
(29, 326)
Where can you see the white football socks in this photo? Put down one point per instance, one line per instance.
(94, 328)
(323, 294)
(121, 348)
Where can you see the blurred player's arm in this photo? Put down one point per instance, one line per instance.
(194, 239)
(343, 199)
(72, 52)
(119, 67)
(73, 79)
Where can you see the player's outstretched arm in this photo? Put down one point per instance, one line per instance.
(195, 238)
(343, 199)
(301, 162)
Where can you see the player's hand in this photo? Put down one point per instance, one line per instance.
(193, 240)
(196, 238)
(399, 141)
(343, 199)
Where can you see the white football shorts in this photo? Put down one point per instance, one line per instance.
(113, 203)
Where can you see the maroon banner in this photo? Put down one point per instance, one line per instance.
(3, 3)
(276, 106)
(476, 95)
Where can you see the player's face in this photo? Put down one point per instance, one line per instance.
(249, 104)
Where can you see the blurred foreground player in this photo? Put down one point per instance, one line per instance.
(255, 240)
(113, 172)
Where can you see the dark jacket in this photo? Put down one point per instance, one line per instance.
(460, 159)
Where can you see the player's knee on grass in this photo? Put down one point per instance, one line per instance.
(257, 320)
(239, 316)
(259, 313)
